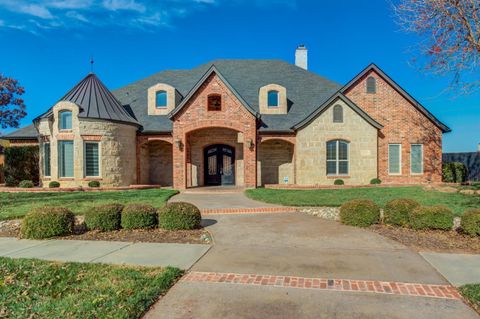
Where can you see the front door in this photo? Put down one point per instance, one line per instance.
(219, 165)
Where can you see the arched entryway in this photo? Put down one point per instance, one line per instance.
(275, 160)
(219, 162)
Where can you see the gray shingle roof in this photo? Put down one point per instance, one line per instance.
(25, 133)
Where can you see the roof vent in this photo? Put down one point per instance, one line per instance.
(301, 57)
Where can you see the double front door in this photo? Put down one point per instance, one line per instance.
(219, 165)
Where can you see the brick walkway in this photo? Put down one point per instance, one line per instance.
(258, 210)
(379, 287)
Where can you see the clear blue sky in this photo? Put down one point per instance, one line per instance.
(46, 44)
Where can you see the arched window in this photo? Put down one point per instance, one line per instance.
(214, 102)
(337, 114)
(65, 122)
(371, 85)
(161, 99)
(272, 98)
(337, 157)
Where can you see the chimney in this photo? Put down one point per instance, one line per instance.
(478, 147)
(301, 57)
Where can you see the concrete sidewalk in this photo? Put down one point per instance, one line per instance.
(182, 256)
(458, 269)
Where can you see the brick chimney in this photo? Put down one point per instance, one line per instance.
(301, 57)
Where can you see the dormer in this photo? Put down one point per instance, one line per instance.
(273, 99)
(162, 99)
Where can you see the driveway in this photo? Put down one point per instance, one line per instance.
(302, 246)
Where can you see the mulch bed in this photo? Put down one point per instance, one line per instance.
(430, 240)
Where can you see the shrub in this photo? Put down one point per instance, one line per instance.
(454, 172)
(396, 211)
(25, 184)
(46, 222)
(360, 212)
(179, 216)
(338, 182)
(21, 163)
(431, 217)
(94, 184)
(139, 216)
(375, 181)
(471, 221)
(105, 217)
(53, 184)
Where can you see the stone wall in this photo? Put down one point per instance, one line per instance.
(160, 166)
(275, 162)
(311, 148)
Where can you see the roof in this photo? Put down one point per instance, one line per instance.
(95, 101)
(28, 132)
(408, 97)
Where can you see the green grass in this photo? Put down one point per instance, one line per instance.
(380, 195)
(472, 293)
(31, 288)
(14, 205)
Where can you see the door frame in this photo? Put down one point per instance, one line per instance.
(219, 162)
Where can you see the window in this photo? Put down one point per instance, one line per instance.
(337, 114)
(395, 159)
(161, 99)
(92, 166)
(46, 159)
(272, 99)
(416, 159)
(337, 157)
(65, 158)
(65, 120)
(371, 85)
(215, 102)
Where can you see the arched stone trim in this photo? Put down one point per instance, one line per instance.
(171, 99)
(289, 139)
(282, 99)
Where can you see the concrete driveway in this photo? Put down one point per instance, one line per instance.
(297, 245)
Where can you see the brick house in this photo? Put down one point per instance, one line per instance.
(238, 122)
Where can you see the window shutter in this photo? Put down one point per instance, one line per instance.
(46, 159)
(91, 159)
(394, 158)
(416, 159)
(65, 153)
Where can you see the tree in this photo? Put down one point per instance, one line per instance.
(450, 38)
(12, 107)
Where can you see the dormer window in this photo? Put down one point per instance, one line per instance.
(272, 98)
(214, 102)
(337, 114)
(371, 85)
(161, 99)
(65, 122)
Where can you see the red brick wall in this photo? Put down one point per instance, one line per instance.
(403, 124)
(195, 116)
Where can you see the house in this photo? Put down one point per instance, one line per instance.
(238, 122)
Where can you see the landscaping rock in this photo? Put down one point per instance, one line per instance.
(331, 213)
(467, 191)
(457, 221)
(447, 189)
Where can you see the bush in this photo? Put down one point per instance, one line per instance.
(21, 163)
(94, 184)
(53, 184)
(136, 216)
(360, 212)
(339, 182)
(179, 216)
(375, 181)
(46, 222)
(454, 172)
(105, 217)
(431, 217)
(396, 211)
(25, 184)
(471, 221)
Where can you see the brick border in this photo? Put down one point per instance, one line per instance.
(258, 210)
(346, 285)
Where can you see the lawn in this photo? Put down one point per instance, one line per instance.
(13, 205)
(472, 293)
(336, 197)
(31, 288)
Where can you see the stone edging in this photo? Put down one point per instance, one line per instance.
(258, 210)
(74, 189)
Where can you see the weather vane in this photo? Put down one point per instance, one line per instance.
(91, 64)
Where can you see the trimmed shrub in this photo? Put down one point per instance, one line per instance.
(339, 182)
(454, 172)
(53, 184)
(397, 211)
(471, 221)
(136, 216)
(94, 184)
(21, 163)
(46, 222)
(25, 184)
(360, 212)
(179, 216)
(431, 217)
(104, 218)
(375, 181)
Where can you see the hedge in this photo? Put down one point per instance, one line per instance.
(397, 211)
(104, 217)
(431, 217)
(339, 182)
(135, 216)
(25, 184)
(360, 212)
(21, 163)
(454, 172)
(94, 184)
(46, 222)
(179, 215)
(375, 181)
(471, 222)
(53, 184)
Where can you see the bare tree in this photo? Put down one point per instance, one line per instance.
(450, 38)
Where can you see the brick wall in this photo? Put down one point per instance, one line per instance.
(403, 124)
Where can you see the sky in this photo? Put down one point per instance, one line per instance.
(47, 45)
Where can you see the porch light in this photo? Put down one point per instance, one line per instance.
(178, 143)
(249, 143)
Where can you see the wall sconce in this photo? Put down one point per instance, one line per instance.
(178, 143)
(249, 143)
